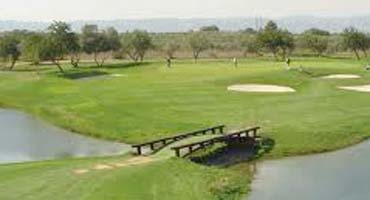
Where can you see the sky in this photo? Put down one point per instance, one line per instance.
(48, 10)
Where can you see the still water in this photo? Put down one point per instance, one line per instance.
(341, 175)
(24, 138)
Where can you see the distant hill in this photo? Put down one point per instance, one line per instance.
(295, 24)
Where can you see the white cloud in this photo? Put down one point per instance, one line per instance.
(119, 9)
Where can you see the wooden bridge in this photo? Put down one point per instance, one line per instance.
(160, 143)
(247, 135)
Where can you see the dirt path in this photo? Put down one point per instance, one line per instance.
(115, 165)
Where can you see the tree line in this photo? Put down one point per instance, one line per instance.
(59, 43)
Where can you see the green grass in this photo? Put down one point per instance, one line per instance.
(152, 101)
(164, 180)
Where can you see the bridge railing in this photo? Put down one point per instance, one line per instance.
(160, 143)
(243, 135)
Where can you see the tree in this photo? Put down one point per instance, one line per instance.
(250, 31)
(10, 49)
(271, 26)
(170, 47)
(198, 42)
(316, 31)
(113, 37)
(355, 41)
(31, 47)
(96, 42)
(286, 42)
(250, 44)
(276, 40)
(74, 49)
(269, 38)
(50, 50)
(57, 43)
(212, 28)
(136, 44)
(317, 43)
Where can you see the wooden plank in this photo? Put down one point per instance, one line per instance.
(181, 136)
(230, 136)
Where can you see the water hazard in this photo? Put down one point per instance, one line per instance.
(24, 138)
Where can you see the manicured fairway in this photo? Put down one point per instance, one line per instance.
(147, 101)
(152, 101)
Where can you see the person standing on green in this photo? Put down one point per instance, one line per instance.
(235, 61)
(169, 62)
(287, 62)
(367, 67)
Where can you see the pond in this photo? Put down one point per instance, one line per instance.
(24, 138)
(341, 175)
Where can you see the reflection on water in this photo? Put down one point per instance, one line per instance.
(341, 175)
(23, 138)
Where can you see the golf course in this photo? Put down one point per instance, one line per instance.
(131, 103)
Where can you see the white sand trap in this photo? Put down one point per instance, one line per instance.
(359, 88)
(342, 76)
(260, 88)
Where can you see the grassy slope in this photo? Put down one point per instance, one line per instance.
(162, 180)
(154, 101)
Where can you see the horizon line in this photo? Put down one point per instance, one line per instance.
(197, 18)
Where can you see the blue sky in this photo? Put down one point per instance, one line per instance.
(47, 10)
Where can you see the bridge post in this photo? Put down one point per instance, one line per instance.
(177, 151)
(254, 133)
(139, 150)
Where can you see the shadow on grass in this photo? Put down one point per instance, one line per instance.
(28, 68)
(120, 65)
(234, 153)
(76, 75)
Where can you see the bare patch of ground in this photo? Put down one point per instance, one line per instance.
(260, 88)
(134, 161)
(102, 167)
(341, 76)
(126, 163)
(359, 88)
(119, 75)
(80, 171)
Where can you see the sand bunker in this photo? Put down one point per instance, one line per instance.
(359, 88)
(342, 76)
(260, 88)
